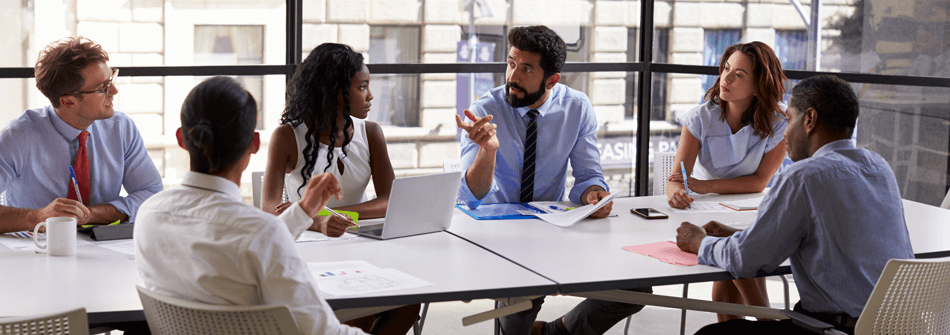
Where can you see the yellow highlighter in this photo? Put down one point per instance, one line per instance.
(111, 224)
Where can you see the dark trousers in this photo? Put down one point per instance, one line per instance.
(588, 317)
(841, 322)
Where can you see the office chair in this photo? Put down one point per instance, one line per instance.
(257, 184)
(169, 315)
(911, 297)
(72, 322)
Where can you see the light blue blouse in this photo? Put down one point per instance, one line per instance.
(723, 154)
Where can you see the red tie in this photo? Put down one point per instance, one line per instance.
(81, 167)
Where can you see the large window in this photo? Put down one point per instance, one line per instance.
(431, 58)
(395, 97)
(233, 45)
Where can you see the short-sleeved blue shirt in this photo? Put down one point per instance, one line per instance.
(723, 154)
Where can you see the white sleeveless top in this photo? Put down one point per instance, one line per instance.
(356, 168)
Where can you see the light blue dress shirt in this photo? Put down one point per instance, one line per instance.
(567, 132)
(837, 216)
(37, 149)
(722, 154)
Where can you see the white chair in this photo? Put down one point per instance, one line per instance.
(662, 168)
(946, 201)
(911, 297)
(72, 322)
(257, 181)
(168, 315)
(451, 165)
(257, 184)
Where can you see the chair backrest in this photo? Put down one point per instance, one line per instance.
(946, 201)
(451, 165)
(911, 297)
(72, 322)
(257, 181)
(169, 315)
(662, 168)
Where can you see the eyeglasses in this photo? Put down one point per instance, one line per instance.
(105, 87)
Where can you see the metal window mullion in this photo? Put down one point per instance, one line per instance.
(645, 96)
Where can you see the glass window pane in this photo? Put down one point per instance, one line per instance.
(875, 36)
(145, 32)
(910, 128)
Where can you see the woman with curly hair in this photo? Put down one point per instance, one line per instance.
(735, 142)
(323, 129)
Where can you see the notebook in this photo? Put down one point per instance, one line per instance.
(417, 205)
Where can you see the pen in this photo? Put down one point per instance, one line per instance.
(333, 212)
(683, 168)
(72, 174)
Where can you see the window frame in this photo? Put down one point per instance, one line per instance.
(645, 68)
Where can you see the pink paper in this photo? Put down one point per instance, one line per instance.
(665, 251)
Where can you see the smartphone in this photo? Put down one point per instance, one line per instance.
(648, 213)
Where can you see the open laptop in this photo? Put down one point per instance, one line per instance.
(417, 205)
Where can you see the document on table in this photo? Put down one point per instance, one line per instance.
(704, 207)
(23, 241)
(360, 277)
(569, 218)
(743, 205)
(665, 251)
(312, 236)
(126, 247)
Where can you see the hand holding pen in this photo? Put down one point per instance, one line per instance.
(680, 198)
(685, 181)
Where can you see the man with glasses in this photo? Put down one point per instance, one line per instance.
(78, 132)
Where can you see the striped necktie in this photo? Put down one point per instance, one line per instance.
(530, 146)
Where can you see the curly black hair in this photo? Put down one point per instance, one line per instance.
(312, 99)
(542, 41)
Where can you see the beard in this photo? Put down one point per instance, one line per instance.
(529, 98)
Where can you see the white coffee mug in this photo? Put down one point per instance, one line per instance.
(60, 236)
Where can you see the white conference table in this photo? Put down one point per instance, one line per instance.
(588, 256)
(103, 281)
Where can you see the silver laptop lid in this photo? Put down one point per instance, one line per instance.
(420, 204)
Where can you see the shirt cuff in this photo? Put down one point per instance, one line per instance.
(122, 207)
(705, 255)
(296, 219)
(466, 197)
(578, 190)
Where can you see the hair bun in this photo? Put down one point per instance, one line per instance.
(201, 134)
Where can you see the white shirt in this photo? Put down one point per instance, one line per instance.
(722, 154)
(356, 166)
(200, 242)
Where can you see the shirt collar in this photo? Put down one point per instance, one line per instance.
(546, 106)
(834, 146)
(64, 129)
(212, 183)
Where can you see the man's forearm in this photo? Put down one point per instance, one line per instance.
(105, 213)
(17, 219)
(480, 174)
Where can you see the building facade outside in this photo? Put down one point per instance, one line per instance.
(908, 125)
